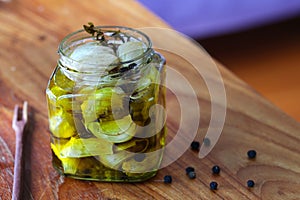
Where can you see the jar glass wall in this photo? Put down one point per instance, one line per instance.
(106, 100)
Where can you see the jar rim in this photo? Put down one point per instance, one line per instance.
(63, 44)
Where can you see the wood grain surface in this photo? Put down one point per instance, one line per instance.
(30, 32)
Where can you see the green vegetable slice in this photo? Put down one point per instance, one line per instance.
(102, 103)
(62, 124)
(69, 165)
(134, 145)
(92, 56)
(144, 96)
(62, 81)
(114, 161)
(112, 133)
(59, 97)
(130, 50)
(150, 163)
(116, 127)
(77, 148)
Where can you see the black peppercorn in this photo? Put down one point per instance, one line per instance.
(189, 169)
(216, 169)
(168, 179)
(192, 175)
(139, 157)
(251, 154)
(129, 67)
(213, 185)
(132, 65)
(195, 146)
(250, 183)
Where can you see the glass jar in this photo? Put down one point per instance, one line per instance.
(106, 100)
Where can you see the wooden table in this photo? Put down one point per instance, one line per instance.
(30, 32)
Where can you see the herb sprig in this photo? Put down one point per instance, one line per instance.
(104, 40)
(91, 29)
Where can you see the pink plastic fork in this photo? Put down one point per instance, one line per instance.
(18, 126)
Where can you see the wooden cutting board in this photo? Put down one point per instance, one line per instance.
(30, 32)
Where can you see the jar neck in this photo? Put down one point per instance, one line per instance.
(91, 49)
(68, 64)
(109, 65)
(131, 70)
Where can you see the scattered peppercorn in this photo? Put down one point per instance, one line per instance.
(168, 179)
(189, 169)
(195, 146)
(251, 154)
(250, 183)
(192, 175)
(213, 185)
(216, 169)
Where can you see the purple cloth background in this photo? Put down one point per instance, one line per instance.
(205, 18)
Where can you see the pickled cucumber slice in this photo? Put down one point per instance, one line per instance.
(93, 57)
(150, 163)
(62, 81)
(114, 161)
(56, 95)
(57, 92)
(103, 102)
(77, 148)
(69, 165)
(152, 78)
(144, 96)
(112, 133)
(130, 50)
(62, 124)
(141, 90)
(134, 145)
(127, 145)
(115, 127)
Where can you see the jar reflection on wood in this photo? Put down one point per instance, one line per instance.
(103, 100)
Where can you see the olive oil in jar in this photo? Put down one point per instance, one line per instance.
(102, 99)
